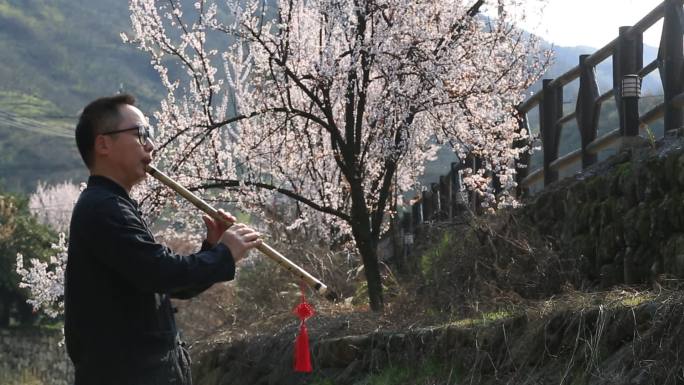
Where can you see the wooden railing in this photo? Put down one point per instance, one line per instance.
(627, 53)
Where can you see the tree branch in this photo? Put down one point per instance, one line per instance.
(218, 183)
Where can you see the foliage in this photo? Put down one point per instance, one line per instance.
(336, 105)
(432, 256)
(650, 136)
(19, 233)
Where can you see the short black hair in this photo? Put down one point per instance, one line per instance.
(101, 115)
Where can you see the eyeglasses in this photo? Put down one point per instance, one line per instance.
(145, 133)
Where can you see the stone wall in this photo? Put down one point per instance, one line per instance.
(34, 357)
(623, 219)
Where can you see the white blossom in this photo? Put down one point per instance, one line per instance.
(45, 280)
(52, 205)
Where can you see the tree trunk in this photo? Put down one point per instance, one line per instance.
(367, 245)
(371, 269)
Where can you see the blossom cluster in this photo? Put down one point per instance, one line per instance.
(51, 205)
(45, 280)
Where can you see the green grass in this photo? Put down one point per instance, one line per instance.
(637, 299)
(435, 253)
(483, 319)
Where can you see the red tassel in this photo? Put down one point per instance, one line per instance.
(302, 357)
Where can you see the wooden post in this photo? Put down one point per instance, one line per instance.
(670, 62)
(436, 200)
(407, 236)
(475, 199)
(587, 110)
(445, 196)
(523, 164)
(469, 162)
(550, 110)
(407, 223)
(417, 214)
(628, 59)
(455, 183)
(428, 205)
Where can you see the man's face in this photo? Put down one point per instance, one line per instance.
(127, 155)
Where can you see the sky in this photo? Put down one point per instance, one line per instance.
(568, 23)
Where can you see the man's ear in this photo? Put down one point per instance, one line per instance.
(102, 145)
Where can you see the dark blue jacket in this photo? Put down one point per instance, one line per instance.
(118, 318)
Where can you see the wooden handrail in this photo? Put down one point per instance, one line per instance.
(565, 160)
(652, 66)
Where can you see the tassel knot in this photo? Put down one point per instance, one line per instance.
(302, 356)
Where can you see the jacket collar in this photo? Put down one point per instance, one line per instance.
(99, 181)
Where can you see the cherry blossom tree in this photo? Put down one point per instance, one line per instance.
(334, 104)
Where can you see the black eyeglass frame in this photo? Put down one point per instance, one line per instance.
(144, 133)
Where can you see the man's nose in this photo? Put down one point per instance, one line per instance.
(149, 145)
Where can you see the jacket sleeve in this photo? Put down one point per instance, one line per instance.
(190, 292)
(127, 247)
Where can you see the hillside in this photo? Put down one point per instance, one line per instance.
(63, 53)
(69, 51)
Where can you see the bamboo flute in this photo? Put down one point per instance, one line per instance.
(300, 273)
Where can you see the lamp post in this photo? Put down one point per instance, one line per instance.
(631, 91)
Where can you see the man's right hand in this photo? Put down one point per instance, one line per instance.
(239, 239)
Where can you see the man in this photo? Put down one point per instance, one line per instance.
(119, 323)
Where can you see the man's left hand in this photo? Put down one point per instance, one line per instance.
(215, 228)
